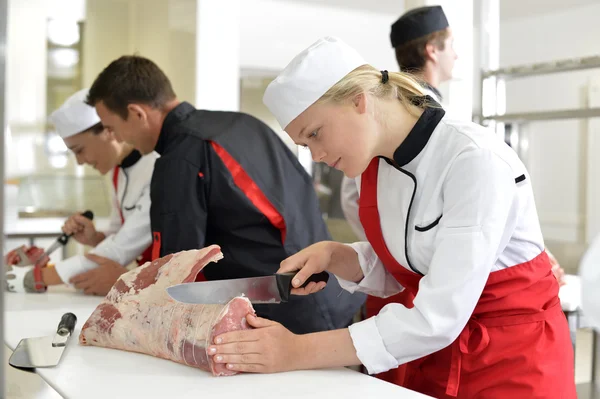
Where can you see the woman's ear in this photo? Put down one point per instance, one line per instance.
(360, 103)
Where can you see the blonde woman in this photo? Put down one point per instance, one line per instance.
(450, 219)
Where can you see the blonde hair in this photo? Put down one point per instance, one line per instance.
(367, 79)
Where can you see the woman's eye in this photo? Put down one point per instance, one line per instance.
(314, 134)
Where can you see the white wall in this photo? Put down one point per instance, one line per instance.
(252, 91)
(102, 44)
(273, 32)
(26, 63)
(557, 150)
(25, 91)
(162, 30)
(218, 54)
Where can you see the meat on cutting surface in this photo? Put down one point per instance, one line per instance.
(138, 315)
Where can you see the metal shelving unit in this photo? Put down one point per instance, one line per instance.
(538, 69)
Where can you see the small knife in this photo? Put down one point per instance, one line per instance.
(259, 290)
(64, 238)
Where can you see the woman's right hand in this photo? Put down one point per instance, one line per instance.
(309, 261)
(83, 230)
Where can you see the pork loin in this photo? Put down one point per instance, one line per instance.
(138, 315)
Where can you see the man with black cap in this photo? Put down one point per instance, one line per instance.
(422, 40)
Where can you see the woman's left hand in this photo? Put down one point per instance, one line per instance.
(558, 271)
(268, 348)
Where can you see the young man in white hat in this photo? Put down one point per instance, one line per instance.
(128, 237)
(450, 221)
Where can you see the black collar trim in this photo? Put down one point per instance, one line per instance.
(419, 135)
(131, 159)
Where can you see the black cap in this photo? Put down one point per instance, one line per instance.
(417, 23)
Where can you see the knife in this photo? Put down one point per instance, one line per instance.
(64, 238)
(44, 351)
(60, 241)
(259, 290)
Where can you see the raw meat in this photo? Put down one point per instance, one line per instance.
(138, 315)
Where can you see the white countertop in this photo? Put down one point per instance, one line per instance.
(93, 372)
(43, 226)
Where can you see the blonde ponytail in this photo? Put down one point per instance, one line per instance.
(367, 79)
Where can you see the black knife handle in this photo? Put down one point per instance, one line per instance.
(67, 324)
(88, 214)
(284, 282)
(63, 239)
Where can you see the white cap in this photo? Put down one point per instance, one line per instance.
(74, 116)
(308, 76)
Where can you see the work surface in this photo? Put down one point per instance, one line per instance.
(92, 372)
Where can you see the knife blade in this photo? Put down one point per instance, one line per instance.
(44, 351)
(259, 290)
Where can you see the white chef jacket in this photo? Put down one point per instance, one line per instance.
(460, 206)
(124, 241)
(349, 190)
(590, 283)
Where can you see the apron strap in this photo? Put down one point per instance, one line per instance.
(115, 185)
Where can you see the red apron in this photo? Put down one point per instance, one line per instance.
(146, 256)
(515, 345)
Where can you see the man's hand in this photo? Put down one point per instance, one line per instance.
(100, 280)
(83, 230)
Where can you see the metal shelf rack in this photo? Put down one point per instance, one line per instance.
(538, 69)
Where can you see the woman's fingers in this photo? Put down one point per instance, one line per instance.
(71, 226)
(247, 368)
(293, 263)
(310, 288)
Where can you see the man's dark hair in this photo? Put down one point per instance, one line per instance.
(131, 79)
(411, 56)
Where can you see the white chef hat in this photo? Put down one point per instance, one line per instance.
(308, 76)
(74, 116)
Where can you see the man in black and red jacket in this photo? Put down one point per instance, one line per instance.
(222, 178)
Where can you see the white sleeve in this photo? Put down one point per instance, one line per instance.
(377, 280)
(349, 201)
(590, 282)
(480, 212)
(122, 247)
